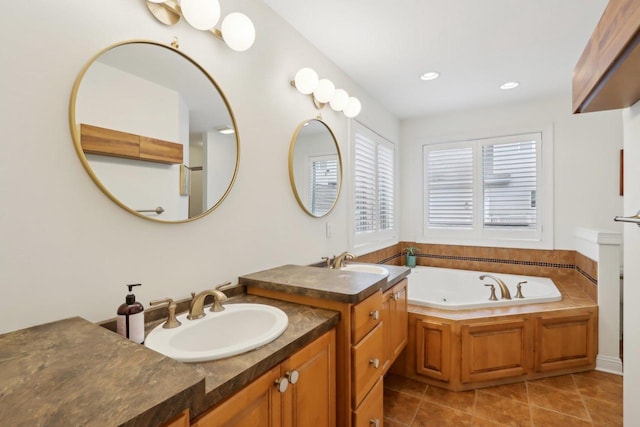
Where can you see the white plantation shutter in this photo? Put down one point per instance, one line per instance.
(509, 177)
(385, 188)
(324, 184)
(485, 189)
(449, 187)
(365, 185)
(374, 211)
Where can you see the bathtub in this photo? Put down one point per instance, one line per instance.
(451, 289)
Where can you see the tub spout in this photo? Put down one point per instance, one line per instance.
(504, 291)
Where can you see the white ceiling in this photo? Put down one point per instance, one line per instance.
(475, 45)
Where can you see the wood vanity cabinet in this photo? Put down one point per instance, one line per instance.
(359, 352)
(308, 400)
(395, 322)
(109, 142)
(181, 420)
(606, 75)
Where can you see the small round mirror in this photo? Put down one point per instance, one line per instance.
(315, 168)
(154, 131)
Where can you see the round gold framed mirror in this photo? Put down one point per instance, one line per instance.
(315, 167)
(154, 131)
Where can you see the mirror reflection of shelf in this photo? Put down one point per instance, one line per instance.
(109, 142)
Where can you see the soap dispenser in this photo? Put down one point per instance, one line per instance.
(131, 317)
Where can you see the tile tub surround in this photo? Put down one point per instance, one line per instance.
(73, 372)
(584, 399)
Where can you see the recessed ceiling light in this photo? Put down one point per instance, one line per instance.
(509, 85)
(226, 130)
(430, 75)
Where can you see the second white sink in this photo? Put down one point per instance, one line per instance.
(237, 329)
(366, 268)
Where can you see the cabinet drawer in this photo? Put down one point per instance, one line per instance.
(367, 358)
(369, 413)
(366, 316)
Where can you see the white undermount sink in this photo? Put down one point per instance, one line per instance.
(237, 329)
(366, 268)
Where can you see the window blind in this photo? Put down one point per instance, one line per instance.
(324, 185)
(449, 187)
(509, 177)
(385, 188)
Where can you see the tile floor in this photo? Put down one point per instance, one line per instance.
(586, 399)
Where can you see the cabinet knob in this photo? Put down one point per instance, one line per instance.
(293, 376)
(375, 422)
(375, 315)
(282, 384)
(375, 363)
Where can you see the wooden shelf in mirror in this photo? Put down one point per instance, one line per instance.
(109, 142)
(605, 76)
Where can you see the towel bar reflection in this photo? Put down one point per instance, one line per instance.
(633, 219)
(157, 210)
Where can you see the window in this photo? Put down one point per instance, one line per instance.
(324, 183)
(485, 189)
(373, 186)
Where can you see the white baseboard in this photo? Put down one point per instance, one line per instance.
(612, 365)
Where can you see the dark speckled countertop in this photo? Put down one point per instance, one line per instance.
(337, 285)
(74, 372)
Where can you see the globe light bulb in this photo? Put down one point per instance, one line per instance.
(353, 107)
(238, 31)
(325, 91)
(339, 101)
(201, 14)
(306, 81)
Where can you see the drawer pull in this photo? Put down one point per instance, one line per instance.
(375, 363)
(282, 384)
(375, 315)
(375, 422)
(293, 376)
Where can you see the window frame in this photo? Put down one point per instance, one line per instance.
(541, 238)
(378, 239)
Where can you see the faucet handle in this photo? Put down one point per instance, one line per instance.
(493, 292)
(327, 261)
(519, 289)
(171, 322)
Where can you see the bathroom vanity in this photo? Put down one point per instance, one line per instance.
(371, 333)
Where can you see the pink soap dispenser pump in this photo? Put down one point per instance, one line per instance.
(131, 317)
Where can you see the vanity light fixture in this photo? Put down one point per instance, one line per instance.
(431, 75)
(509, 85)
(236, 30)
(324, 92)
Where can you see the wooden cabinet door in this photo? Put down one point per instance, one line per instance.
(564, 341)
(494, 350)
(399, 319)
(311, 397)
(181, 420)
(257, 405)
(387, 330)
(433, 349)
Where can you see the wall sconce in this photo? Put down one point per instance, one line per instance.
(236, 30)
(324, 91)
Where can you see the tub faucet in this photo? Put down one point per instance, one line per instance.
(196, 309)
(339, 261)
(504, 291)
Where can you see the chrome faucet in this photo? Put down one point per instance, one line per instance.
(505, 294)
(339, 261)
(196, 308)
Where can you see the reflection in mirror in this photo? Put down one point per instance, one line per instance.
(315, 168)
(147, 123)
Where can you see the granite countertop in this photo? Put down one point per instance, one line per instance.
(73, 372)
(337, 285)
